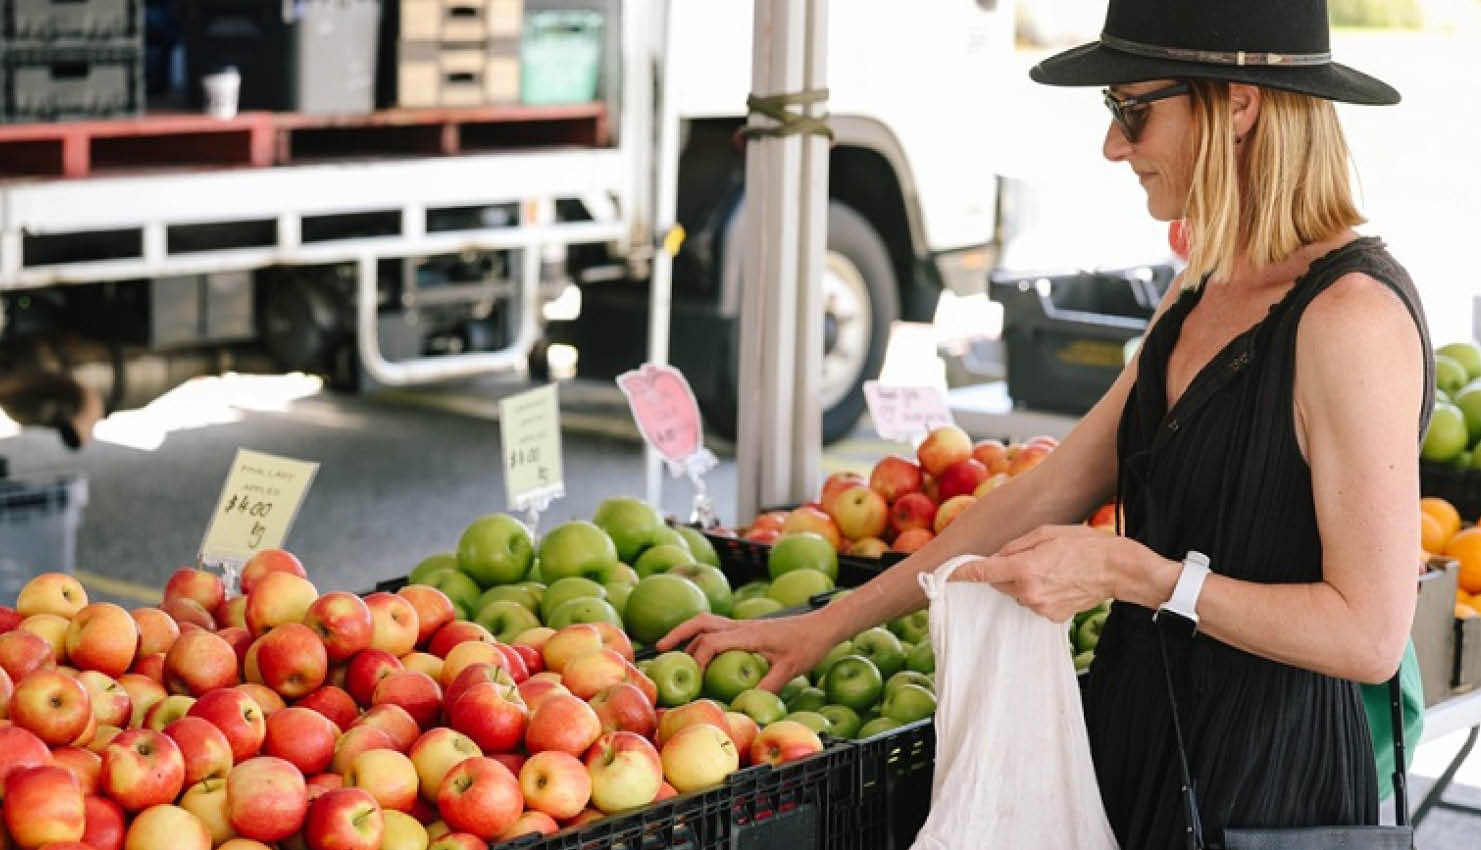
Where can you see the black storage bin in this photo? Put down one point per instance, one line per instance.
(52, 20)
(72, 81)
(1065, 334)
(1459, 487)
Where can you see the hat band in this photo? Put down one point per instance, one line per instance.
(1212, 57)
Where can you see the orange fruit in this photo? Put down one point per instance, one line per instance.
(1444, 513)
(1463, 598)
(1432, 534)
(1464, 611)
(1465, 547)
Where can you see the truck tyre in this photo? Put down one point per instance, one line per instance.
(861, 302)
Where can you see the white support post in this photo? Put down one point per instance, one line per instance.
(666, 192)
(781, 314)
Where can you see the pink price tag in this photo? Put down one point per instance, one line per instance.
(663, 405)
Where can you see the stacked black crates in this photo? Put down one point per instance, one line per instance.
(71, 59)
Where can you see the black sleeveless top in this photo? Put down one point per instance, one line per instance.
(1222, 473)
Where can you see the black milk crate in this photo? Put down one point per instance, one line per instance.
(53, 20)
(39, 517)
(1065, 334)
(1459, 487)
(891, 794)
(73, 81)
(757, 808)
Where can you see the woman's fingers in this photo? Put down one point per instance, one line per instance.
(691, 627)
(711, 644)
(779, 675)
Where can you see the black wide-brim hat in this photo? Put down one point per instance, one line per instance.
(1280, 44)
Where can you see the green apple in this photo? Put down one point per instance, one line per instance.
(623, 574)
(909, 677)
(883, 648)
(878, 725)
(537, 572)
(534, 585)
(908, 703)
(713, 582)
(749, 590)
(659, 559)
(843, 722)
(793, 687)
(677, 676)
(854, 681)
(1087, 636)
(807, 699)
(457, 586)
(617, 592)
(629, 522)
(520, 593)
(1083, 659)
(913, 627)
(812, 720)
(752, 609)
(583, 609)
(661, 602)
(495, 549)
(703, 550)
(907, 647)
(430, 564)
(506, 619)
(1095, 609)
(571, 587)
(1450, 374)
(922, 659)
(802, 551)
(666, 536)
(1467, 354)
(797, 587)
(837, 652)
(764, 707)
(577, 548)
(732, 672)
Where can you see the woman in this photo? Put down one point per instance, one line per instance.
(1270, 423)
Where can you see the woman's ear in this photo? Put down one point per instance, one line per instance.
(1244, 108)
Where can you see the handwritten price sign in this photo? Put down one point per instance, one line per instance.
(663, 405)
(257, 506)
(530, 426)
(905, 413)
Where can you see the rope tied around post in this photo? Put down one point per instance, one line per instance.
(789, 123)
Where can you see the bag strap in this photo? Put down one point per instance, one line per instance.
(1401, 782)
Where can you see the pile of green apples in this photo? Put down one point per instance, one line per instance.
(1084, 634)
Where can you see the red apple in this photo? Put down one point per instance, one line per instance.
(232, 612)
(699, 756)
(344, 819)
(860, 512)
(433, 608)
(389, 776)
(9, 618)
(395, 623)
(143, 693)
(157, 630)
(104, 824)
(167, 711)
(395, 721)
(415, 692)
(334, 703)
(481, 797)
(152, 666)
(555, 783)
(458, 841)
(534, 691)
(624, 707)
(568, 643)
(291, 660)
(266, 698)
(535, 662)
(814, 519)
(944, 446)
(762, 535)
(564, 723)
(991, 454)
(435, 753)
(894, 476)
(51, 593)
(267, 796)
(321, 782)
(199, 586)
(514, 662)
(626, 771)
(239, 638)
(950, 510)
(912, 540)
(208, 802)
(188, 612)
(784, 741)
(913, 510)
(23, 652)
(142, 768)
(200, 661)
(356, 740)
(837, 483)
(992, 483)
(102, 637)
(468, 653)
(20, 749)
(44, 805)
(474, 674)
(110, 702)
(689, 714)
(513, 761)
(302, 737)
(743, 731)
(485, 713)
(267, 561)
(665, 791)
(203, 748)
(51, 628)
(84, 764)
(238, 717)
(167, 826)
(366, 670)
(530, 823)
(1030, 456)
(867, 547)
(423, 662)
(961, 478)
(590, 673)
(342, 622)
(51, 704)
(276, 599)
(455, 633)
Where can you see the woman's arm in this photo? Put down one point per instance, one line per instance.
(1358, 390)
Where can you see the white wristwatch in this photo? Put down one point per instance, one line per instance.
(1184, 599)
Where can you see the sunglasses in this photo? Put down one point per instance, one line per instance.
(1130, 113)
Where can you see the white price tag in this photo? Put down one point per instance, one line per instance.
(256, 508)
(530, 427)
(905, 413)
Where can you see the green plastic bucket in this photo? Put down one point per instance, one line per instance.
(560, 56)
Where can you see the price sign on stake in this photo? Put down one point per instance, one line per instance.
(530, 425)
(663, 405)
(256, 508)
(905, 413)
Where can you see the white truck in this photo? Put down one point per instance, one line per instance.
(415, 269)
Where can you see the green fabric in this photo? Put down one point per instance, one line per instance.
(1375, 700)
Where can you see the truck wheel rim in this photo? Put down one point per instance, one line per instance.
(849, 313)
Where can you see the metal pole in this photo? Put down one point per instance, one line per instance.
(667, 191)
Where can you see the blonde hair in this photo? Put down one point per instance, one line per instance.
(1295, 190)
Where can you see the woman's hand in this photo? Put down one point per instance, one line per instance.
(1058, 570)
(792, 645)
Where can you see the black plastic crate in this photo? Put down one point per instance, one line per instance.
(1065, 334)
(757, 808)
(39, 518)
(746, 560)
(1459, 487)
(65, 81)
(52, 20)
(891, 795)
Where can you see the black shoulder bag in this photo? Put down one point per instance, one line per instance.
(1399, 837)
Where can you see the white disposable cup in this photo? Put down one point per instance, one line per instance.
(222, 91)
